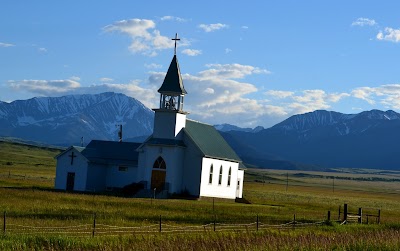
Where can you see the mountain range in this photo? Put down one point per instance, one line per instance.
(315, 140)
(65, 120)
(327, 139)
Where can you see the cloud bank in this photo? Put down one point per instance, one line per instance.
(221, 94)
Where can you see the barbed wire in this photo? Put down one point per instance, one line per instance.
(112, 230)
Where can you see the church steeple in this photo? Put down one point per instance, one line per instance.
(172, 90)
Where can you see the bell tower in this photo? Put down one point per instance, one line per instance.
(170, 117)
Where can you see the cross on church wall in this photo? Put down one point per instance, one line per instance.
(72, 155)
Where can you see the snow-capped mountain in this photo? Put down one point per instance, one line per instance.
(64, 120)
(368, 139)
(335, 123)
(228, 127)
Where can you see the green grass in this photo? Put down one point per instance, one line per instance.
(26, 194)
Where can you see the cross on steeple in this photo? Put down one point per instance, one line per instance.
(175, 39)
(72, 155)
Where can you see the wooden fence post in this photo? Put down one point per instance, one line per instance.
(379, 216)
(360, 215)
(94, 225)
(345, 212)
(4, 223)
(329, 216)
(214, 221)
(160, 225)
(257, 222)
(340, 207)
(294, 220)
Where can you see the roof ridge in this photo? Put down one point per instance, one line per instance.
(199, 122)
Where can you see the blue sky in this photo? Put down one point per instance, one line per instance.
(244, 63)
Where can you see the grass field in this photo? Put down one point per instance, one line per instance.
(26, 195)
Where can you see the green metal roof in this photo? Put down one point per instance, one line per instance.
(111, 150)
(165, 142)
(209, 141)
(173, 80)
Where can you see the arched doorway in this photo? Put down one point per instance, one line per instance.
(158, 174)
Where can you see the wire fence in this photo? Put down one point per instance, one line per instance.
(95, 229)
(23, 176)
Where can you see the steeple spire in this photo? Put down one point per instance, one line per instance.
(172, 89)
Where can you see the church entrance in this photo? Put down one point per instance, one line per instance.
(158, 174)
(70, 181)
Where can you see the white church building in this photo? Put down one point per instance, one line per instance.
(181, 157)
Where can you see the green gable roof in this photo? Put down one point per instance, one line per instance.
(209, 141)
(173, 80)
(99, 150)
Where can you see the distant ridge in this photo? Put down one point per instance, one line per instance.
(328, 139)
(64, 120)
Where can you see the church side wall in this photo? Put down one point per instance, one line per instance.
(120, 177)
(214, 189)
(239, 184)
(96, 178)
(79, 167)
(192, 169)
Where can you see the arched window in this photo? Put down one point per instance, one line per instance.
(229, 176)
(159, 163)
(211, 174)
(220, 176)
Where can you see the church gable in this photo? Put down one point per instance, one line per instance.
(209, 141)
(71, 169)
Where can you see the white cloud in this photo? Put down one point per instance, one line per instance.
(146, 40)
(245, 27)
(363, 93)
(304, 101)
(362, 21)
(172, 18)
(231, 71)
(6, 45)
(279, 94)
(75, 78)
(212, 27)
(42, 49)
(387, 95)
(227, 50)
(106, 80)
(45, 87)
(336, 97)
(191, 52)
(153, 66)
(389, 34)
